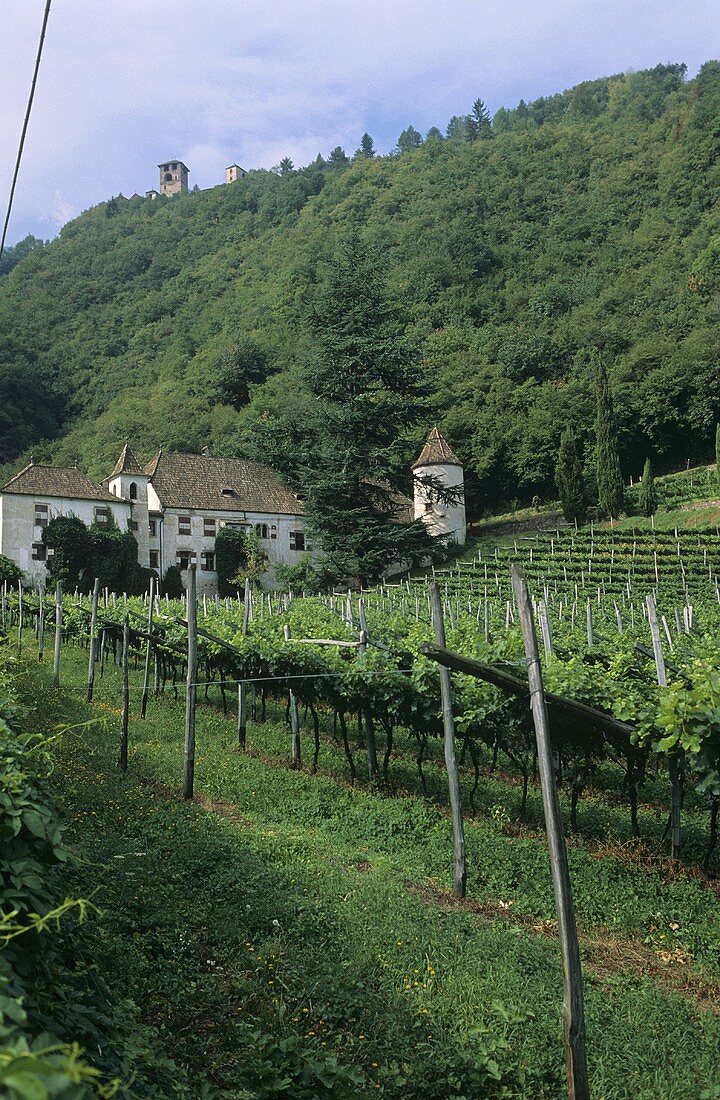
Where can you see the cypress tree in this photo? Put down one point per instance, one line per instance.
(569, 479)
(648, 494)
(611, 491)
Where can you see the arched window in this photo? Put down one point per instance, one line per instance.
(133, 491)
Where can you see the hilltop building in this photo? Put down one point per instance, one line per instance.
(438, 461)
(234, 172)
(173, 177)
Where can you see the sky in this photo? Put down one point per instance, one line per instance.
(125, 85)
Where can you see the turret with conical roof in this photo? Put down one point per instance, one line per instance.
(439, 464)
(129, 481)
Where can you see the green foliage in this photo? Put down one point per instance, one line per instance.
(69, 540)
(172, 584)
(238, 555)
(611, 490)
(9, 572)
(569, 480)
(588, 220)
(648, 494)
(363, 379)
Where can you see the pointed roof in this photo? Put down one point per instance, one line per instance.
(126, 464)
(437, 452)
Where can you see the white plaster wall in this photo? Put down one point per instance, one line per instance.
(440, 518)
(18, 531)
(167, 540)
(120, 487)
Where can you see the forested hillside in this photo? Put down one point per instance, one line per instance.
(588, 219)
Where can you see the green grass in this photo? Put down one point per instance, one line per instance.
(288, 935)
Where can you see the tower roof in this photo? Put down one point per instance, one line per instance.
(437, 452)
(126, 463)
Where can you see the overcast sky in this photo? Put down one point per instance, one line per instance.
(126, 84)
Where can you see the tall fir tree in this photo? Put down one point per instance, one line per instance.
(611, 490)
(648, 493)
(569, 479)
(351, 453)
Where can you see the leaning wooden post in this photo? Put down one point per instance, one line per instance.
(92, 656)
(148, 650)
(191, 690)
(460, 874)
(673, 768)
(573, 1008)
(242, 714)
(125, 711)
(294, 717)
(368, 722)
(58, 633)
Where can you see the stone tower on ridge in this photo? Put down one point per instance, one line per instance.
(173, 177)
(438, 461)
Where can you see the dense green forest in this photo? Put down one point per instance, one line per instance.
(514, 247)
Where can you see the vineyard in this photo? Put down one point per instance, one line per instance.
(324, 714)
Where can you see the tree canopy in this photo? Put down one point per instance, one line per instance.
(588, 221)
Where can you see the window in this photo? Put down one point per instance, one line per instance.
(133, 491)
(183, 525)
(297, 540)
(174, 167)
(154, 559)
(209, 526)
(184, 558)
(134, 525)
(102, 515)
(261, 530)
(39, 551)
(207, 564)
(41, 515)
(273, 530)
(152, 528)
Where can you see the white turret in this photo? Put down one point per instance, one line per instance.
(438, 461)
(130, 482)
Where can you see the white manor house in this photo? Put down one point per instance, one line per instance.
(177, 503)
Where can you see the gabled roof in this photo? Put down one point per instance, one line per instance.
(55, 481)
(219, 484)
(437, 452)
(126, 463)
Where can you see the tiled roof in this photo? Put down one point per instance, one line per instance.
(55, 481)
(225, 484)
(126, 463)
(437, 452)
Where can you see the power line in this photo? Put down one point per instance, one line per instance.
(25, 126)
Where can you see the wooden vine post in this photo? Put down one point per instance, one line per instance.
(58, 633)
(125, 708)
(294, 717)
(20, 618)
(367, 716)
(92, 655)
(673, 765)
(41, 626)
(191, 689)
(573, 1003)
(458, 829)
(148, 650)
(242, 714)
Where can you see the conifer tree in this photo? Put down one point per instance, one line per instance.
(648, 494)
(352, 443)
(611, 491)
(569, 479)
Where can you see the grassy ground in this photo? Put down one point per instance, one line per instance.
(288, 935)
